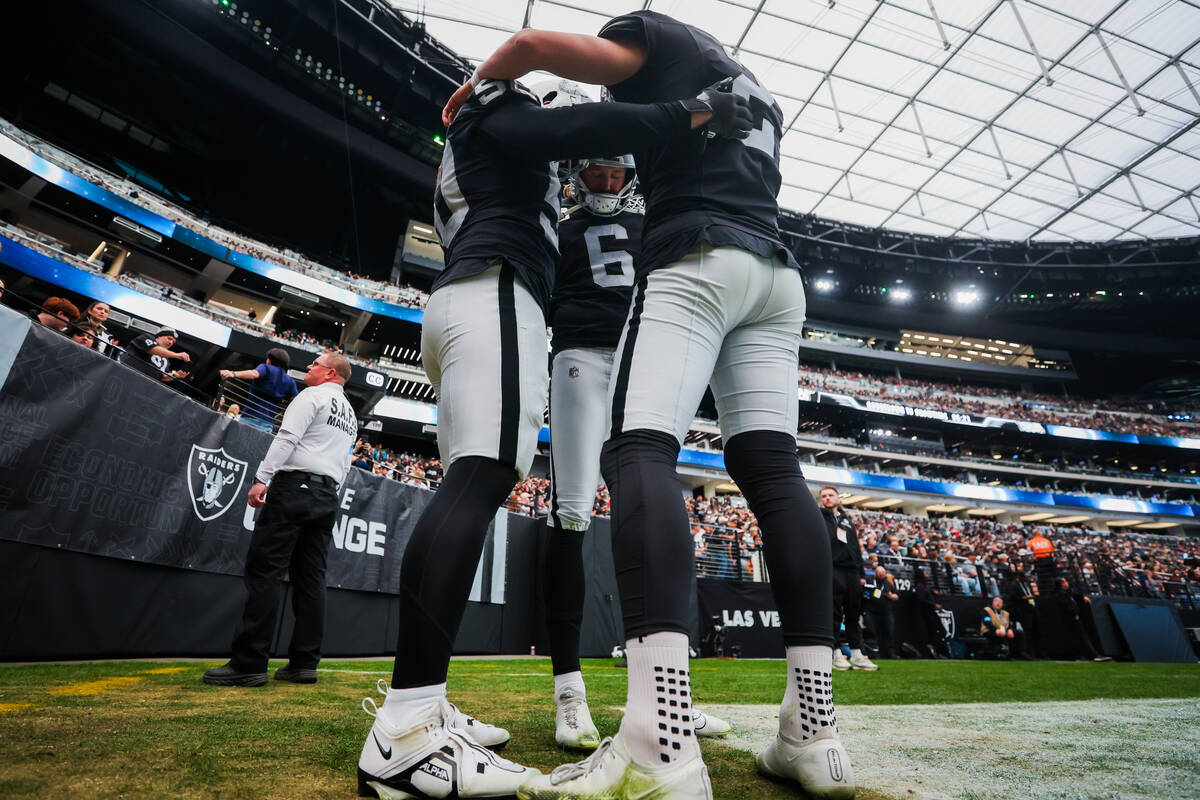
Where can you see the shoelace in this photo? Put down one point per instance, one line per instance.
(570, 706)
(698, 719)
(569, 772)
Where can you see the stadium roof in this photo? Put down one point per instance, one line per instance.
(1033, 119)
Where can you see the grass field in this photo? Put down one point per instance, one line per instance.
(915, 729)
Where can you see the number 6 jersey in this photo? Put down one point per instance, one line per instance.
(594, 280)
(720, 191)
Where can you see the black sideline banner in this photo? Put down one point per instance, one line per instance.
(97, 458)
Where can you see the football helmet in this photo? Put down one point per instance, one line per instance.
(603, 204)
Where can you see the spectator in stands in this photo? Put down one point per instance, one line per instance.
(97, 314)
(85, 334)
(152, 355)
(234, 411)
(997, 629)
(271, 388)
(57, 313)
(881, 608)
(1, 289)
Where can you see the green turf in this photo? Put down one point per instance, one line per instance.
(168, 735)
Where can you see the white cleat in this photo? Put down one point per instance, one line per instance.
(840, 662)
(611, 774)
(859, 661)
(573, 726)
(821, 766)
(432, 760)
(708, 725)
(489, 736)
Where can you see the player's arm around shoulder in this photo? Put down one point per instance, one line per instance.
(574, 56)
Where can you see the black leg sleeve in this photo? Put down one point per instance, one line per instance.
(795, 539)
(563, 595)
(652, 548)
(439, 564)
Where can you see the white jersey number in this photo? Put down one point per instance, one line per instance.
(602, 262)
(763, 137)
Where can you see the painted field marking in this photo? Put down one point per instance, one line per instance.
(12, 708)
(94, 687)
(164, 671)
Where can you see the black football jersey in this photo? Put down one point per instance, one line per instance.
(594, 281)
(497, 195)
(722, 191)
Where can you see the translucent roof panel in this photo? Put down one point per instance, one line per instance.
(1038, 119)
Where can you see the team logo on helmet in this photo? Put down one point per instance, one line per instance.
(214, 481)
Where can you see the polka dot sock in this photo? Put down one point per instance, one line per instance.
(657, 727)
(807, 708)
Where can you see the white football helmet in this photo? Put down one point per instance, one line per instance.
(603, 204)
(558, 93)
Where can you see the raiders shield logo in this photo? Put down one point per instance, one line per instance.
(214, 481)
(946, 617)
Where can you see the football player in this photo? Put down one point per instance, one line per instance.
(719, 301)
(483, 345)
(598, 239)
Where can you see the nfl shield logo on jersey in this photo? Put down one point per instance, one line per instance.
(573, 372)
(214, 481)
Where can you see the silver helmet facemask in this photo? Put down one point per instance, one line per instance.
(603, 204)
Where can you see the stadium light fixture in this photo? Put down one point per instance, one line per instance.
(823, 285)
(965, 298)
(900, 294)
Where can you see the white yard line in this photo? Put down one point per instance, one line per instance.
(1085, 750)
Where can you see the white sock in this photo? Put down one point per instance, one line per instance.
(657, 727)
(405, 709)
(808, 702)
(570, 680)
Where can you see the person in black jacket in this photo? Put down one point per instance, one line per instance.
(1069, 607)
(847, 579)
(1021, 600)
(927, 608)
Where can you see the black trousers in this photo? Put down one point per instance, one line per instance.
(291, 537)
(883, 623)
(847, 604)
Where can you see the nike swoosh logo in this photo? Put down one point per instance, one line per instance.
(385, 753)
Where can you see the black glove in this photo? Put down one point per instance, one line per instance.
(731, 116)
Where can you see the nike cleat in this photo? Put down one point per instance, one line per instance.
(709, 726)
(432, 761)
(489, 736)
(611, 774)
(821, 765)
(573, 726)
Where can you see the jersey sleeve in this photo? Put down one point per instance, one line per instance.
(539, 134)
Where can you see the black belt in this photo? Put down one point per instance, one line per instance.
(311, 476)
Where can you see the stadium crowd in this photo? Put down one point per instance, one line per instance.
(1108, 415)
(959, 556)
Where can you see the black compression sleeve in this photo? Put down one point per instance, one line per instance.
(583, 131)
